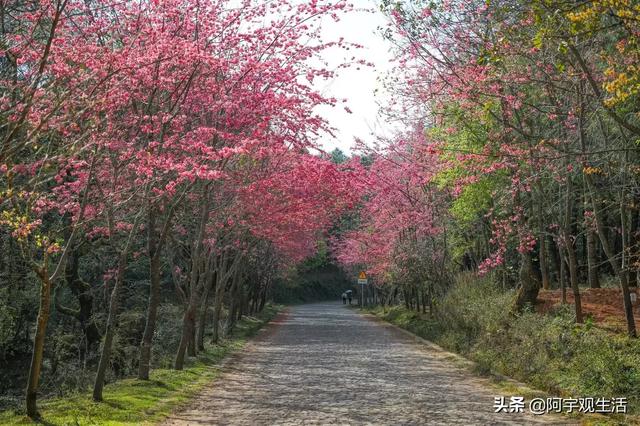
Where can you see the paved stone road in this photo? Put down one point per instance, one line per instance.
(326, 364)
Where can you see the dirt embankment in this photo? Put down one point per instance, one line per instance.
(604, 305)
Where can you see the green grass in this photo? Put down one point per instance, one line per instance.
(137, 402)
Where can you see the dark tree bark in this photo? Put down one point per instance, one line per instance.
(105, 357)
(233, 304)
(82, 292)
(615, 265)
(529, 284)
(570, 251)
(153, 247)
(202, 320)
(592, 249)
(187, 340)
(542, 239)
(38, 344)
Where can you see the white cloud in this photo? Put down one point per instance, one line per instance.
(358, 86)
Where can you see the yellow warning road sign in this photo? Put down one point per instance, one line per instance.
(362, 276)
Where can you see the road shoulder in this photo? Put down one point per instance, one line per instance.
(502, 385)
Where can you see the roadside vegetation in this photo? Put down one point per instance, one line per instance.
(145, 402)
(513, 189)
(159, 173)
(549, 352)
(161, 180)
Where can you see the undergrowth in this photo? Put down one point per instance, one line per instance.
(138, 402)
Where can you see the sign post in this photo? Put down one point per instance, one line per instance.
(362, 280)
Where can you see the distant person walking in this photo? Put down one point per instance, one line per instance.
(349, 296)
(344, 298)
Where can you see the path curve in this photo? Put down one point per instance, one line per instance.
(327, 364)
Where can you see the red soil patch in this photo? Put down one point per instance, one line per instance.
(604, 305)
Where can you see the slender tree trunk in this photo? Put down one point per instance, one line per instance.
(217, 311)
(544, 264)
(592, 253)
(554, 262)
(38, 345)
(263, 297)
(150, 325)
(105, 356)
(592, 261)
(186, 345)
(187, 325)
(202, 322)
(542, 240)
(191, 347)
(571, 253)
(563, 276)
(155, 244)
(217, 305)
(154, 298)
(187, 340)
(231, 317)
(573, 276)
(82, 291)
(615, 266)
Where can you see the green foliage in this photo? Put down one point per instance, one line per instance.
(474, 198)
(324, 282)
(169, 333)
(338, 157)
(320, 259)
(8, 319)
(133, 401)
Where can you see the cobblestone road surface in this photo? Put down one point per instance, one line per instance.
(327, 364)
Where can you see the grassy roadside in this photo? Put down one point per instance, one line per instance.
(136, 402)
(545, 352)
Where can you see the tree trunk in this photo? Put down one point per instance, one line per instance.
(191, 347)
(622, 275)
(563, 276)
(82, 291)
(187, 326)
(154, 298)
(592, 260)
(263, 297)
(571, 253)
(105, 357)
(231, 317)
(592, 249)
(202, 322)
(554, 261)
(187, 340)
(529, 284)
(217, 310)
(573, 276)
(542, 240)
(38, 345)
(152, 313)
